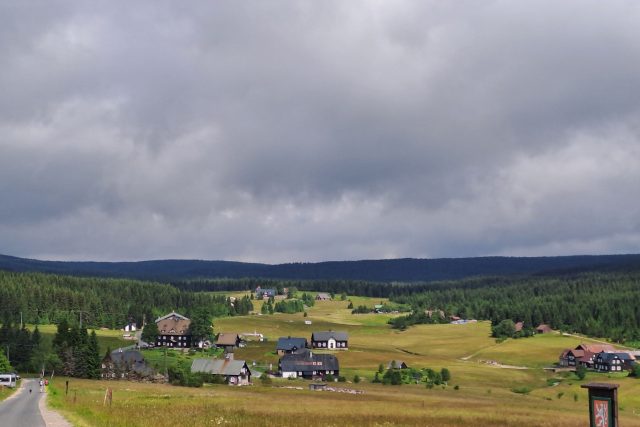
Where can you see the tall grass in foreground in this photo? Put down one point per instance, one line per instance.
(151, 405)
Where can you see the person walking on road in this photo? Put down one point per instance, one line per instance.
(41, 385)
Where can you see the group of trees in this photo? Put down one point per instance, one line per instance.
(507, 329)
(112, 303)
(396, 376)
(597, 304)
(22, 348)
(77, 350)
(241, 306)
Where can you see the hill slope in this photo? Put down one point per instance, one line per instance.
(407, 269)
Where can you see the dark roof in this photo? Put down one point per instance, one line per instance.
(607, 357)
(131, 359)
(290, 344)
(326, 335)
(307, 361)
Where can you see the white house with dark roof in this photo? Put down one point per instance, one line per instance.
(330, 340)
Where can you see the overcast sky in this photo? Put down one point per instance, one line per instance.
(277, 131)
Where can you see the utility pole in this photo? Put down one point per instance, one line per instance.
(81, 319)
(20, 320)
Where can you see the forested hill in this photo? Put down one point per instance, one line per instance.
(406, 270)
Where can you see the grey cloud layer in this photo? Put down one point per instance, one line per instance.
(279, 131)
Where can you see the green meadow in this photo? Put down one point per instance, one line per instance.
(492, 383)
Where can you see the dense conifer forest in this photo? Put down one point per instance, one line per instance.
(596, 304)
(99, 302)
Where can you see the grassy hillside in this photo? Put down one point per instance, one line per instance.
(484, 397)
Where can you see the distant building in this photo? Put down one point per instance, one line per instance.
(228, 341)
(519, 326)
(308, 365)
(265, 293)
(288, 345)
(125, 364)
(235, 372)
(612, 362)
(322, 296)
(173, 331)
(543, 329)
(130, 327)
(397, 364)
(330, 340)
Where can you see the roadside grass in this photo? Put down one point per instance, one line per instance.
(6, 392)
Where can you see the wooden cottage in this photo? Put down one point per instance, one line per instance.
(612, 362)
(235, 372)
(228, 341)
(397, 364)
(322, 296)
(288, 345)
(173, 331)
(330, 340)
(543, 329)
(125, 364)
(308, 365)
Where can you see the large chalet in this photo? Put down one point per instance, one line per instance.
(308, 365)
(173, 331)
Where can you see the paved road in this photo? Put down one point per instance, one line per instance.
(21, 409)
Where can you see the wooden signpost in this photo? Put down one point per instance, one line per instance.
(603, 404)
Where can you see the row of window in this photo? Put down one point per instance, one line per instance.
(608, 368)
(324, 344)
(170, 344)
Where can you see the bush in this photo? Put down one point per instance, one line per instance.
(581, 372)
(329, 378)
(521, 390)
(456, 387)
(356, 379)
(342, 379)
(265, 379)
(445, 374)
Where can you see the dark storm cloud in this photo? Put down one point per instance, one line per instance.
(277, 131)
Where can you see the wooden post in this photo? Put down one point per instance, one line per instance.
(603, 404)
(108, 396)
(66, 387)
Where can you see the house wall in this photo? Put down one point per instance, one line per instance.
(289, 374)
